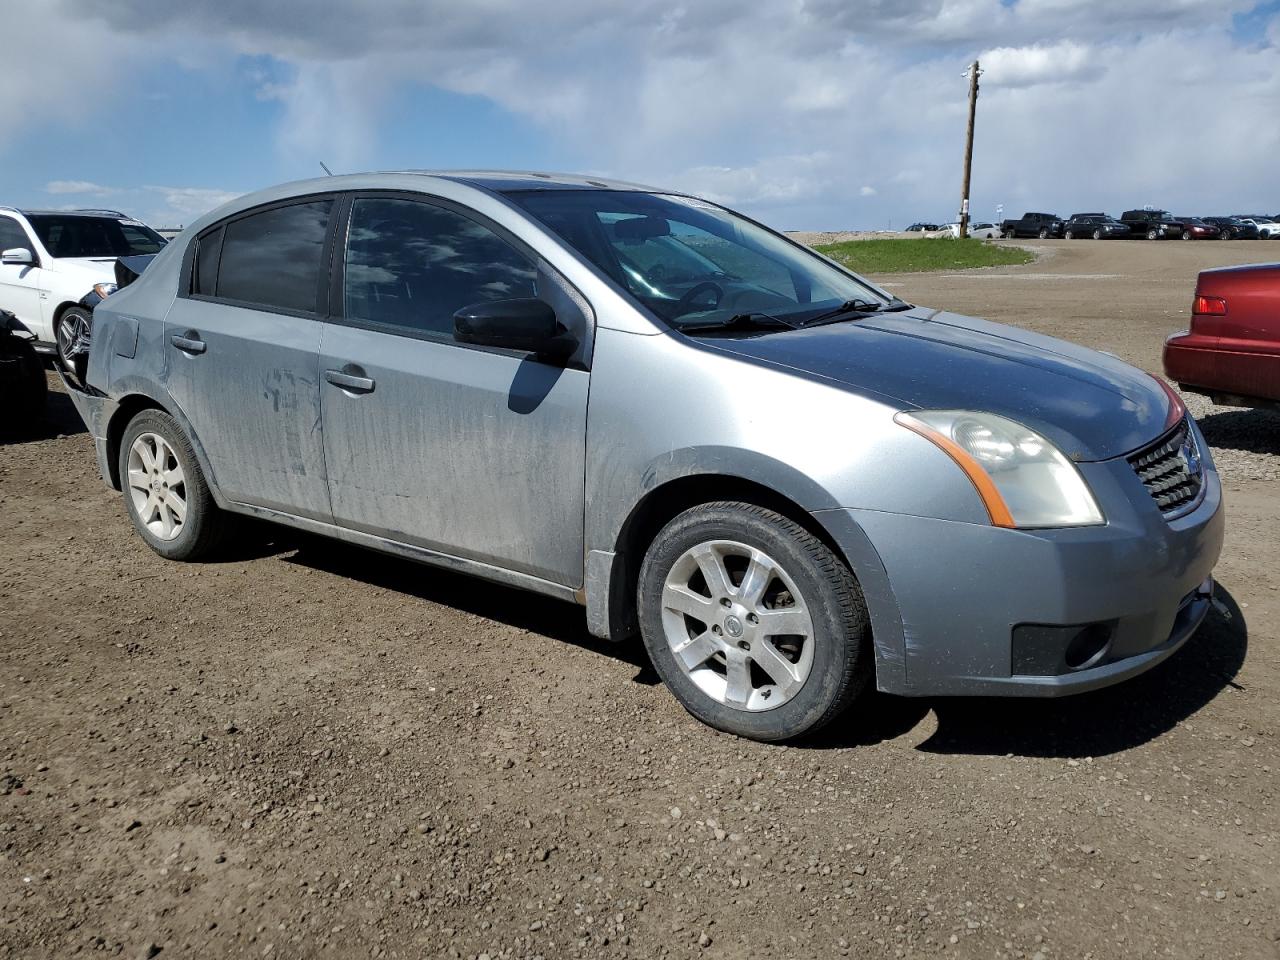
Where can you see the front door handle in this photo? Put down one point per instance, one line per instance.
(188, 342)
(350, 378)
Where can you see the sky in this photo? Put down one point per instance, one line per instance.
(807, 114)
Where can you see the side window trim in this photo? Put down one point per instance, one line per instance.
(337, 290)
(188, 275)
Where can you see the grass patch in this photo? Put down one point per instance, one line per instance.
(919, 256)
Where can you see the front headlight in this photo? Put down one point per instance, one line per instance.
(1023, 479)
(104, 290)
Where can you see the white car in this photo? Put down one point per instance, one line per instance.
(55, 265)
(1267, 229)
(979, 231)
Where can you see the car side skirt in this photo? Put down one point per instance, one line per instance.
(409, 551)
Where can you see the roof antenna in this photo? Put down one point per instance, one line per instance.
(325, 169)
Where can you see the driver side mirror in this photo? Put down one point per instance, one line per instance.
(525, 324)
(17, 257)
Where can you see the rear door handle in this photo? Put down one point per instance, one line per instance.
(188, 342)
(350, 378)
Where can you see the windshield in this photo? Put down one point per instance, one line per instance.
(691, 262)
(81, 236)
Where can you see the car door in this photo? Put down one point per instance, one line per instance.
(20, 283)
(470, 451)
(243, 342)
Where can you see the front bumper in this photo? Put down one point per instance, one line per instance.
(961, 589)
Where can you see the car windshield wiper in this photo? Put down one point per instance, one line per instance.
(741, 321)
(850, 309)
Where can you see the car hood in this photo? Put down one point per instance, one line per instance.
(93, 269)
(1091, 405)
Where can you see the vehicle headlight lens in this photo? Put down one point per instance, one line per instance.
(1022, 478)
(104, 290)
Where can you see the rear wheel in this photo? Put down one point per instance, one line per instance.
(1069, 235)
(1186, 234)
(165, 493)
(754, 625)
(1044, 233)
(72, 335)
(1097, 234)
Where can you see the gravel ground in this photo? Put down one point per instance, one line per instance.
(307, 750)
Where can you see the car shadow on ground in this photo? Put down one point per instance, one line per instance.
(557, 619)
(1250, 431)
(60, 420)
(1086, 725)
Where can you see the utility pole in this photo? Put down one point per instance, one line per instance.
(974, 73)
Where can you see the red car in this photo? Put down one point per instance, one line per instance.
(1232, 351)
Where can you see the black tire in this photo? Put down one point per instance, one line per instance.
(1044, 233)
(1009, 234)
(1097, 234)
(1153, 235)
(842, 653)
(204, 525)
(66, 332)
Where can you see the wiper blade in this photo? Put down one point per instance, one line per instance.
(742, 321)
(856, 310)
(849, 307)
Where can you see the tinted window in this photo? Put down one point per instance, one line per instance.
(77, 235)
(690, 261)
(205, 281)
(273, 258)
(12, 235)
(413, 265)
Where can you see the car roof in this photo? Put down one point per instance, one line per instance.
(26, 212)
(504, 181)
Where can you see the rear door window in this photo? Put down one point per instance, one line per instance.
(273, 259)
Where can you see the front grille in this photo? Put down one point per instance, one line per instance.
(1170, 470)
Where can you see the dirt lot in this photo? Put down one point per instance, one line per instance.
(307, 750)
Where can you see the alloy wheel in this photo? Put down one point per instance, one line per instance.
(157, 486)
(737, 625)
(73, 339)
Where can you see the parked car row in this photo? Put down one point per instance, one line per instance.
(1140, 224)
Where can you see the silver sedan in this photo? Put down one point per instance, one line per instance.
(791, 484)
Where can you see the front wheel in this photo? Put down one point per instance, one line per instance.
(1069, 235)
(752, 622)
(1097, 234)
(165, 493)
(72, 335)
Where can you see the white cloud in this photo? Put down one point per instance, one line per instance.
(78, 186)
(789, 108)
(1064, 62)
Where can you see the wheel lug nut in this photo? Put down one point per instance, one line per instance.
(752, 618)
(743, 645)
(724, 602)
(715, 628)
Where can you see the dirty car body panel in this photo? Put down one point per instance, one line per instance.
(534, 472)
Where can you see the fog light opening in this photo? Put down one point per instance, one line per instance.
(1088, 646)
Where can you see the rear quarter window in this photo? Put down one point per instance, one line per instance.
(273, 258)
